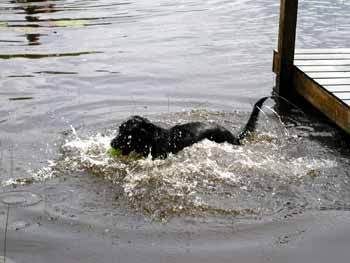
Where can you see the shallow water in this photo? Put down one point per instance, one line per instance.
(88, 65)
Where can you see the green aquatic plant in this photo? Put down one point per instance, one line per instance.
(70, 23)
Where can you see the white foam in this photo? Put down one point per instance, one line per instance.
(196, 176)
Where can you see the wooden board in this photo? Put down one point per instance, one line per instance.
(322, 77)
(328, 75)
(323, 62)
(325, 68)
(342, 95)
(328, 72)
(321, 56)
(292, 66)
(323, 51)
(333, 81)
(330, 104)
(338, 88)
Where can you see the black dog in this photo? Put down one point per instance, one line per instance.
(143, 137)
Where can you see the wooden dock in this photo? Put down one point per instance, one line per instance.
(321, 76)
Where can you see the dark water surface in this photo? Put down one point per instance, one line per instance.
(72, 70)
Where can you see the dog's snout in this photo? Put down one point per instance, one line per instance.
(115, 143)
(119, 143)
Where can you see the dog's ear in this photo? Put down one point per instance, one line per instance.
(144, 133)
(138, 122)
(147, 127)
(143, 138)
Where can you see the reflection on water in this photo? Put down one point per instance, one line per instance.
(32, 10)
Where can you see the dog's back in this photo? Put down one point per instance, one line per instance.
(187, 134)
(140, 135)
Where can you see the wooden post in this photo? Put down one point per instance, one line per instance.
(286, 47)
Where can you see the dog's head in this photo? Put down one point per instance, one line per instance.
(135, 135)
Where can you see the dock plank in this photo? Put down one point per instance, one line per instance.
(324, 68)
(328, 75)
(321, 76)
(323, 51)
(328, 69)
(338, 88)
(330, 104)
(342, 95)
(333, 81)
(321, 56)
(323, 62)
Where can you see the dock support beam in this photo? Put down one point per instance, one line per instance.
(286, 47)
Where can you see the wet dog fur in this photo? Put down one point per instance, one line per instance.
(141, 136)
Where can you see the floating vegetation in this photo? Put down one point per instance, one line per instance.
(21, 98)
(20, 76)
(56, 72)
(70, 23)
(48, 55)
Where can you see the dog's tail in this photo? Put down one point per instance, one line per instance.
(250, 126)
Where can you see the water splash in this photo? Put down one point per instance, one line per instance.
(261, 178)
(39, 175)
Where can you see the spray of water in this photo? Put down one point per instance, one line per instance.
(207, 178)
(273, 171)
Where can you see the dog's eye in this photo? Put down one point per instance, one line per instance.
(129, 137)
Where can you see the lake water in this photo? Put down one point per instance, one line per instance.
(72, 70)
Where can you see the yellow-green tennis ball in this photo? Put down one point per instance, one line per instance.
(114, 152)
